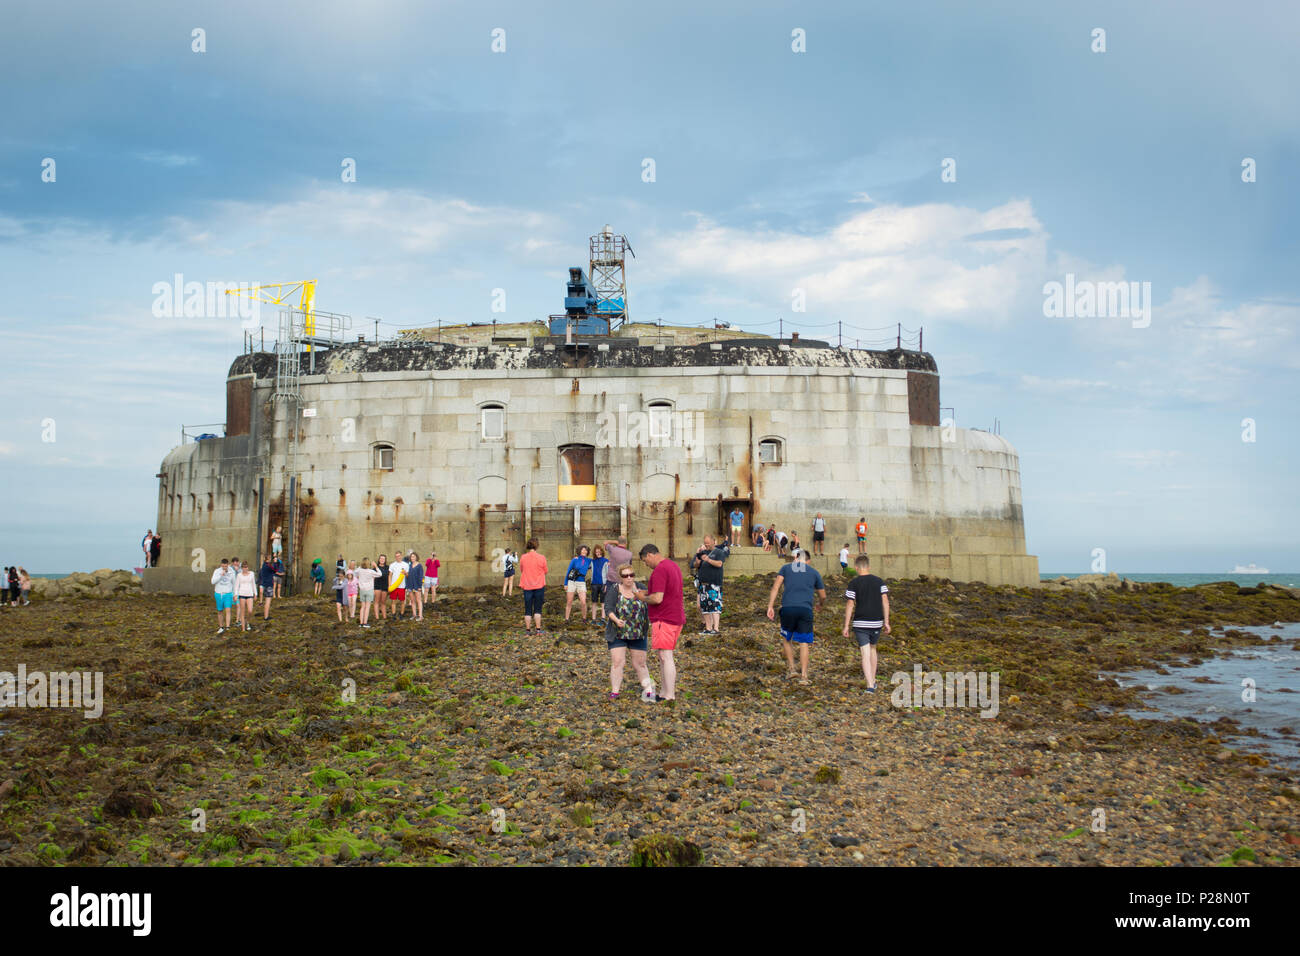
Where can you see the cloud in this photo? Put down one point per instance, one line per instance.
(934, 260)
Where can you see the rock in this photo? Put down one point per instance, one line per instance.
(842, 841)
(663, 849)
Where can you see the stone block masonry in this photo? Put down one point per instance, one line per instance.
(402, 454)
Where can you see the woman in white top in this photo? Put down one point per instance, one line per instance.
(366, 576)
(245, 592)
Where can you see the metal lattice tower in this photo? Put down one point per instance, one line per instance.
(608, 277)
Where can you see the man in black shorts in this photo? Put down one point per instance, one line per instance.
(819, 534)
(866, 613)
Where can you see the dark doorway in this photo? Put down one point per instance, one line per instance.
(725, 507)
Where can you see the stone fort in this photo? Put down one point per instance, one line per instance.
(473, 439)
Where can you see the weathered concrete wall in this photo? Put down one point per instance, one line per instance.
(843, 418)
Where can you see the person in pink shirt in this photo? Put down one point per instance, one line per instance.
(431, 567)
(663, 595)
(353, 589)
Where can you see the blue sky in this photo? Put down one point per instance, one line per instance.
(774, 171)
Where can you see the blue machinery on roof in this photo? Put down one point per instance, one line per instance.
(596, 305)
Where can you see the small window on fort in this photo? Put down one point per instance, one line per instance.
(661, 421)
(494, 423)
(384, 457)
(577, 473)
(769, 451)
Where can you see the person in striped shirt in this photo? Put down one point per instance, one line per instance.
(866, 614)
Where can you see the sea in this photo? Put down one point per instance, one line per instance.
(1258, 686)
(1287, 580)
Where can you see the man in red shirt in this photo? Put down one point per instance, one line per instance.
(667, 614)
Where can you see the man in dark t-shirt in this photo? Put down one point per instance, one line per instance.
(805, 593)
(866, 613)
(707, 565)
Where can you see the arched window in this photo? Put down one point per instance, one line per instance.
(770, 451)
(383, 457)
(493, 422)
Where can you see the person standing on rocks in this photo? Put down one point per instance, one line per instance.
(365, 577)
(223, 591)
(631, 621)
(266, 579)
(317, 577)
(352, 588)
(145, 543)
(14, 586)
(280, 575)
(431, 568)
(381, 588)
(155, 550)
(415, 586)
(805, 593)
(532, 581)
(844, 556)
(24, 586)
(707, 565)
(819, 534)
(866, 612)
(618, 554)
(598, 565)
(397, 587)
(277, 545)
(340, 592)
(575, 582)
(667, 614)
(245, 594)
(508, 573)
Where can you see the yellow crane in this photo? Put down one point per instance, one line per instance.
(280, 293)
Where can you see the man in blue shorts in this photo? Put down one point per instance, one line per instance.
(805, 593)
(223, 590)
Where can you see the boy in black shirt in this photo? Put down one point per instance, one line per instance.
(867, 614)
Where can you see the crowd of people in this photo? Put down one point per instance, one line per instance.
(15, 587)
(151, 544)
(602, 581)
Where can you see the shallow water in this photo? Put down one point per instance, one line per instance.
(1275, 670)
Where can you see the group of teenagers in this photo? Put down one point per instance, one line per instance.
(236, 587)
(392, 589)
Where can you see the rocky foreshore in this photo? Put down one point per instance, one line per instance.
(468, 743)
(105, 582)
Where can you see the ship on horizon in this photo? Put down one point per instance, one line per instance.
(1249, 569)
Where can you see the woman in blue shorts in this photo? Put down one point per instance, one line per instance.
(630, 631)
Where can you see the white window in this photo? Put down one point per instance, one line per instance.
(494, 423)
(384, 457)
(769, 451)
(661, 421)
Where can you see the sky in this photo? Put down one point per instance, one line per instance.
(838, 167)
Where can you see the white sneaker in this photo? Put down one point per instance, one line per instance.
(648, 695)
(221, 630)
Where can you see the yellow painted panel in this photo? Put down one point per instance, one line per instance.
(577, 492)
